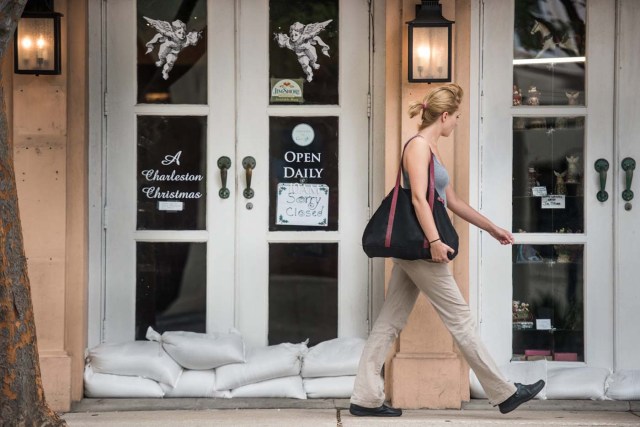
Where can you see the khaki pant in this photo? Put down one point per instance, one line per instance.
(436, 282)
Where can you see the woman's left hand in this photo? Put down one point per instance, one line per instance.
(502, 236)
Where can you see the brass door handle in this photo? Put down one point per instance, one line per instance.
(224, 163)
(602, 166)
(628, 165)
(248, 163)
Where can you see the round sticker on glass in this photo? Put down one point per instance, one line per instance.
(303, 134)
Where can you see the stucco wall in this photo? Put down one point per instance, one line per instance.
(49, 130)
(425, 369)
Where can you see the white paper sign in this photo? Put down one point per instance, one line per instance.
(553, 202)
(539, 191)
(172, 206)
(302, 204)
(543, 324)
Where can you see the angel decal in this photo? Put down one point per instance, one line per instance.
(302, 40)
(172, 39)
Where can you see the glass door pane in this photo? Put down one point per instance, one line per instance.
(549, 53)
(548, 302)
(171, 49)
(548, 190)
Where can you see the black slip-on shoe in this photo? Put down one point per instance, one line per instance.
(523, 393)
(380, 411)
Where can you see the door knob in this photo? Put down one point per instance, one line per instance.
(224, 163)
(602, 166)
(248, 163)
(628, 165)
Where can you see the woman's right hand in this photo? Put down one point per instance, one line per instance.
(439, 252)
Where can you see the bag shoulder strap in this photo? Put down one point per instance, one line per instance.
(431, 183)
(396, 189)
(432, 180)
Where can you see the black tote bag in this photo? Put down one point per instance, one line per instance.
(394, 230)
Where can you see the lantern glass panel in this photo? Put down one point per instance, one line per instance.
(36, 44)
(430, 55)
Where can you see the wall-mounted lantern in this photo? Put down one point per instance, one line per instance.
(429, 44)
(37, 40)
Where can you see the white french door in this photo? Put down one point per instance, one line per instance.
(275, 250)
(556, 117)
(626, 215)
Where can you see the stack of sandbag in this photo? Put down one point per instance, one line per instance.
(189, 364)
(199, 354)
(174, 364)
(131, 369)
(272, 371)
(564, 381)
(329, 368)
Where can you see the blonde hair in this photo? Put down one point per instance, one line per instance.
(445, 98)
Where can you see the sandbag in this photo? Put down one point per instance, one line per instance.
(624, 385)
(279, 387)
(514, 372)
(329, 387)
(107, 385)
(263, 363)
(333, 358)
(137, 358)
(195, 384)
(576, 382)
(194, 350)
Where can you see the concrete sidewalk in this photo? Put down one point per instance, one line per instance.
(342, 418)
(268, 412)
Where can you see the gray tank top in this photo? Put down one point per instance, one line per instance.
(441, 175)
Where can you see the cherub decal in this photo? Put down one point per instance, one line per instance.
(302, 40)
(172, 39)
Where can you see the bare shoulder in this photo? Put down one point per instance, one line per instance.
(417, 147)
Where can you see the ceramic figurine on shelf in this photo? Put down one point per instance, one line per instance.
(565, 41)
(532, 180)
(561, 123)
(527, 253)
(533, 96)
(565, 253)
(561, 188)
(302, 40)
(537, 123)
(519, 123)
(172, 38)
(517, 96)
(572, 97)
(572, 170)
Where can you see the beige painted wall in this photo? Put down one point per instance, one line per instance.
(425, 369)
(49, 128)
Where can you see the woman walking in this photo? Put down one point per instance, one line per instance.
(439, 114)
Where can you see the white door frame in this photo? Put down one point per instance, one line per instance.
(97, 150)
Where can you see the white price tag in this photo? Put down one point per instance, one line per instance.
(552, 202)
(539, 191)
(543, 324)
(171, 206)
